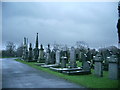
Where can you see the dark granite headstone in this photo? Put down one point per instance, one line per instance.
(63, 62)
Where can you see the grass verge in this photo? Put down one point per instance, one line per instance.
(89, 81)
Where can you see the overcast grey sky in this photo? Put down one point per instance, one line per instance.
(60, 22)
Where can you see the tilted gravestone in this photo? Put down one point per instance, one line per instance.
(58, 57)
(98, 65)
(72, 58)
(63, 62)
(41, 54)
(113, 67)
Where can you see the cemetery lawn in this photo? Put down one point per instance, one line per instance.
(88, 81)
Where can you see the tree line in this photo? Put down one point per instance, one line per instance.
(12, 51)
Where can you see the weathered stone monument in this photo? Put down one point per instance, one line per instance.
(36, 50)
(89, 55)
(63, 62)
(58, 57)
(77, 54)
(30, 53)
(52, 61)
(98, 65)
(25, 49)
(113, 67)
(83, 58)
(41, 54)
(65, 52)
(48, 57)
(86, 66)
(72, 58)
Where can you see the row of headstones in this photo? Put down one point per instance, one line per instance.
(112, 69)
(54, 57)
(113, 61)
(60, 59)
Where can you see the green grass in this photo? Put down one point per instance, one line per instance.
(89, 81)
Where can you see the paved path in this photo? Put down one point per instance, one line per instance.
(19, 75)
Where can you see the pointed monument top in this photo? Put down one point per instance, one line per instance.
(37, 41)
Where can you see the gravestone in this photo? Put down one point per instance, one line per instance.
(113, 67)
(72, 58)
(26, 55)
(83, 58)
(48, 57)
(24, 49)
(98, 65)
(41, 54)
(86, 66)
(106, 61)
(36, 49)
(30, 52)
(63, 62)
(77, 52)
(36, 54)
(58, 57)
(52, 61)
(89, 55)
(65, 52)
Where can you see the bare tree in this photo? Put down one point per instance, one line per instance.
(83, 46)
(19, 51)
(10, 49)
